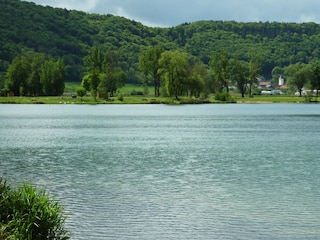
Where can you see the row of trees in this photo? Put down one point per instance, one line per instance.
(181, 74)
(35, 74)
(177, 72)
(172, 72)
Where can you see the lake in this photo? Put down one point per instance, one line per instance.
(236, 171)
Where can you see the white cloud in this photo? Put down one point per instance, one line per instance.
(308, 18)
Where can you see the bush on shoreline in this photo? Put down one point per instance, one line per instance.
(30, 214)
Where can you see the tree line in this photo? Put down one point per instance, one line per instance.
(69, 36)
(173, 73)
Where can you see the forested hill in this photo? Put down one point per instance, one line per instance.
(68, 34)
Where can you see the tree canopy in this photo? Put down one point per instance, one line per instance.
(69, 35)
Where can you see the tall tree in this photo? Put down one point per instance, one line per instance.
(112, 76)
(198, 79)
(52, 77)
(17, 75)
(149, 64)
(94, 64)
(315, 76)
(35, 87)
(174, 66)
(239, 73)
(220, 66)
(255, 66)
(298, 76)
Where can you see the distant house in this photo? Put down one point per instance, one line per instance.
(284, 87)
(265, 85)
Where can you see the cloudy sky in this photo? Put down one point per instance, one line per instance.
(167, 13)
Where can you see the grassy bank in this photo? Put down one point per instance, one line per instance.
(90, 100)
(144, 100)
(270, 99)
(134, 94)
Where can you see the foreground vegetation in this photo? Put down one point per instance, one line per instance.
(29, 214)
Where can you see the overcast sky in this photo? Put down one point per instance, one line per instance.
(167, 13)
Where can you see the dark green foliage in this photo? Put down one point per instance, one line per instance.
(35, 74)
(70, 35)
(223, 97)
(112, 75)
(81, 92)
(30, 214)
(52, 77)
(299, 75)
(150, 65)
(315, 76)
(174, 67)
(239, 73)
(221, 69)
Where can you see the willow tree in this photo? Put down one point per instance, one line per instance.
(52, 77)
(174, 66)
(150, 65)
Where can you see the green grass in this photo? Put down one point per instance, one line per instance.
(132, 95)
(130, 89)
(270, 99)
(71, 87)
(128, 99)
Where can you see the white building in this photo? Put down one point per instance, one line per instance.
(281, 81)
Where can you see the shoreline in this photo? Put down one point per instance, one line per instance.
(152, 100)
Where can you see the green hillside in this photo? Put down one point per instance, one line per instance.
(68, 34)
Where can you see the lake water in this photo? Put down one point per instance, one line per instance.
(242, 171)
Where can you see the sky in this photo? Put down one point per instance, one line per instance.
(169, 13)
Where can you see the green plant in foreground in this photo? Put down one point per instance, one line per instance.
(30, 214)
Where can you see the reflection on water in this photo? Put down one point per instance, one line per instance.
(171, 172)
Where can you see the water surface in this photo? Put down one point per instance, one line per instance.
(244, 171)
